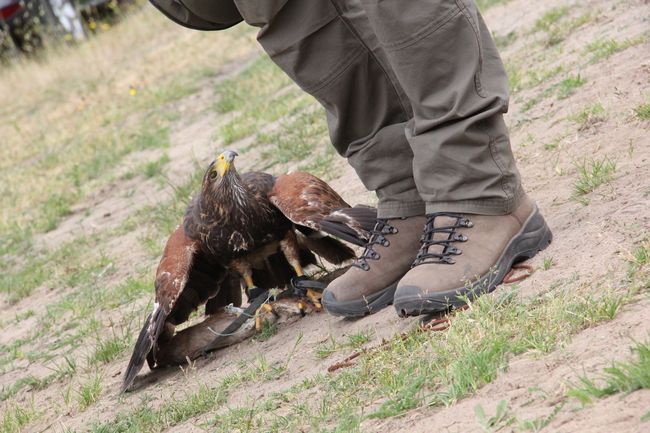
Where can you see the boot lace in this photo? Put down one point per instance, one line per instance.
(448, 250)
(377, 237)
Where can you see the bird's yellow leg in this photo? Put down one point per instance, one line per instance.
(258, 319)
(244, 269)
(291, 250)
(301, 307)
(314, 297)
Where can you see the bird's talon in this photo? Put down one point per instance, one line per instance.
(301, 308)
(315, 298)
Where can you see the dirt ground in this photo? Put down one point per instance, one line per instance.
(594, 236)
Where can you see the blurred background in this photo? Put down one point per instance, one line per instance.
(29, 25)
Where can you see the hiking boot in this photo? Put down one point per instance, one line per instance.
(464, 255)
(369, 285)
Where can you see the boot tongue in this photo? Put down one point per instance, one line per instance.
(441, 221)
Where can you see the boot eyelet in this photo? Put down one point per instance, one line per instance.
(386, 243)
(459, 237)
(465, 222)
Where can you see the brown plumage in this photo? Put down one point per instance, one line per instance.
(251, 227)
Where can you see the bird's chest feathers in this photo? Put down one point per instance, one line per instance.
(237, 223)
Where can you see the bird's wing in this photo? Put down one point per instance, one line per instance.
(184, 281)
(309, 201)
(305, 199)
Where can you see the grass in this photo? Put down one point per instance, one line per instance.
(592, 174)
(561, 90)
(360, 338)
(268, 330)
(108, 349)
(15, 418)
(503, 41)
(72, 126)
(621, 377)
(553, 144)
(296, 139)
(63, 370)
(604, 48)
(255, 98)
(569, 85)
(294, 131)
(154, 168)
(536, 77)
(89, 392)
(327, 348)
(143, 419)
(640, 256)
(331, 345)
(548, 263)
(421, 369)
(642, 112)
(589, 116)
(487, 4)
(66, 265)
(557, 24)
(501, 419)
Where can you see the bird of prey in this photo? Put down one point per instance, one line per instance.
(254, 227)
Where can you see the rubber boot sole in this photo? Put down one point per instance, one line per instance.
(359, 307)
(533, 237)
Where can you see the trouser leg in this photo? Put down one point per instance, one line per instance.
(446, 62)
(329, 49)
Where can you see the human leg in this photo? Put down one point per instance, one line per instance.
(479, 221)
(330, 50)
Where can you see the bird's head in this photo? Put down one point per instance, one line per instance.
(221, 170)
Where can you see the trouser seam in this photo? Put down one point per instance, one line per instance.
(477, 34)
(339, 70)
(497, 161)
(423, 32)
(352, 30)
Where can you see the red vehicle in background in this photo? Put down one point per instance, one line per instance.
(25, 22)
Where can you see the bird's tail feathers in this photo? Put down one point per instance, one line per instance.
(151, 329)
(352, 224)
(332, 250)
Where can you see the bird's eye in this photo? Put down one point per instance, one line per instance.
(213, 175)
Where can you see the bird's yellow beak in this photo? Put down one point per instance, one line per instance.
(224, 162)
(222, 166)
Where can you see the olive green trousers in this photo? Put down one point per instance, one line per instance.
(414, 92)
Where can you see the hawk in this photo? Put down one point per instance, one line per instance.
(252, 228)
